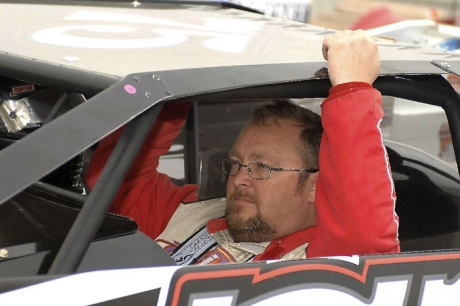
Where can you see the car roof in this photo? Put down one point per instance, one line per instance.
(120, 38)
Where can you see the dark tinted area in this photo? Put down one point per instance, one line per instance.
(41, 218)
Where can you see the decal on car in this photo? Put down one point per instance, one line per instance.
(22, 89)
(405, 280)
(223, 35)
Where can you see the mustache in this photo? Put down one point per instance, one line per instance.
(239, 194)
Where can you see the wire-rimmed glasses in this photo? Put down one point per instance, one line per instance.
(256, 170)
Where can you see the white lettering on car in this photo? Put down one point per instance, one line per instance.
(438, 291)
(129, 31)
(211, 301)
(386, 292)
(351, 259)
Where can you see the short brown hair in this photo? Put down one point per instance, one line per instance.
(309, 122)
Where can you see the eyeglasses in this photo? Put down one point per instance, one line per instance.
(256, 170)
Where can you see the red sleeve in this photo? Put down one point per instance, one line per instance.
(149, 197)
(355, 196)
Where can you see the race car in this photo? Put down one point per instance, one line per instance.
(76, 71)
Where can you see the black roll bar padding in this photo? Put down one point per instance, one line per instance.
(442, 95)
(453, 118)
(100, 199)
(318, 88)
(191, 146)
(415, 90)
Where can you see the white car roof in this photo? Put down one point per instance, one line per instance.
(129, 37)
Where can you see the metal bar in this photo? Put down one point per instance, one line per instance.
(61, 192)
(56, 107)
(415, 90)
(48, 74)
(192, 146)
(69, 134)
(98, 203)
(453, 118)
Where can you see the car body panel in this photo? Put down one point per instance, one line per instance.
(406, 279)
(190, 37)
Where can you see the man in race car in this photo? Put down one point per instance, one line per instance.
(278, 204)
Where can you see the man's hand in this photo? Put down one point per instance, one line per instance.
(352, 57)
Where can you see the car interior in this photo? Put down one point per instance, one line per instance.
(428, 192)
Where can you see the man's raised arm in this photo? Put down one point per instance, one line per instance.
(355, 200)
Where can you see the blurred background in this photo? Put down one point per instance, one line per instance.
(369, 13)
(345, 14)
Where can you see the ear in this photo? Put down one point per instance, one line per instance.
(312, 187)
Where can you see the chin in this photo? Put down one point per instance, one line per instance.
(248, 229)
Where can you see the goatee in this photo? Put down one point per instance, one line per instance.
(253, 229)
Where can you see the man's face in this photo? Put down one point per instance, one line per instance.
(263, 210)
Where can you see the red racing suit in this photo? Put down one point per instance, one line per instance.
(355, 196)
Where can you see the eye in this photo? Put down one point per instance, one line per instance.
(234, 162)
(230, 166)
(259, 170)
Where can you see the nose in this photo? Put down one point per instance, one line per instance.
(242, 179)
